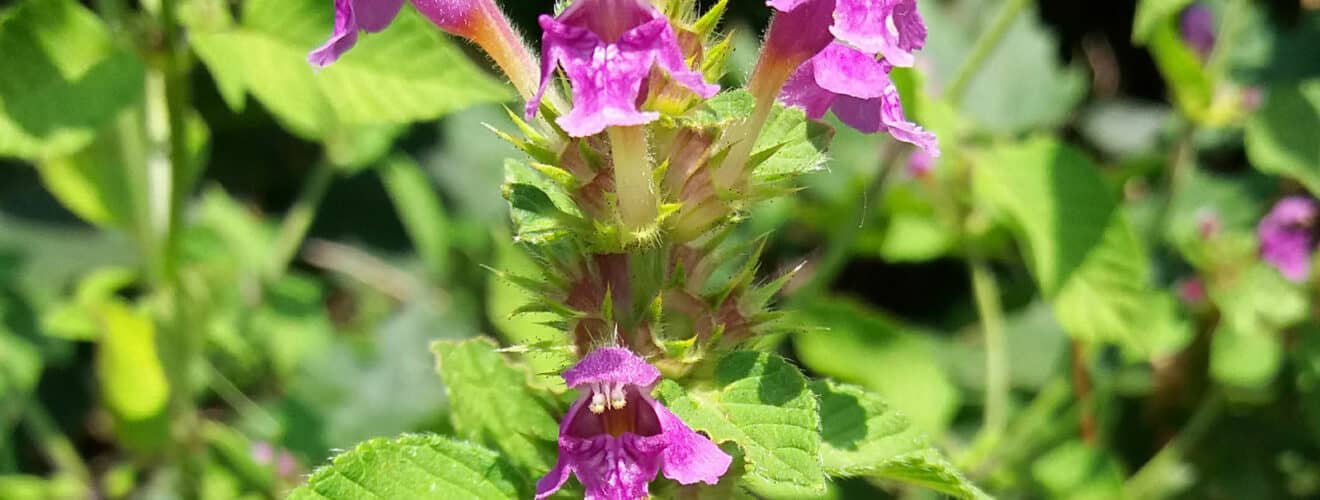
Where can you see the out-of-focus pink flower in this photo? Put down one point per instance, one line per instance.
(1285, 234)
(1197, 24)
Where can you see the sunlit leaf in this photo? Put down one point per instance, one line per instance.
(763, 404)
(415, 467)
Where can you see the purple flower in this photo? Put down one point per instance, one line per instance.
(858, 88)
(607, 48)
(1197, 24)
(352, 16)
(893, 28)
(1285, 236)
(615, 438)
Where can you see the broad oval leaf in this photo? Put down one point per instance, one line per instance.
(408, 72)
(763, 404)
(862, 435)
(74, 78)
(1081, 248)
(414, 467)
(1281, 137)
(490, 402)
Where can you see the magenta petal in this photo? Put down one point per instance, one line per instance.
(612, 365)
(802, 91)
(688, 457)
(864, 115)
(844, 70)
(902, 129)
(555, 479)
(660, 37)
(344, 37)
(375, 15)
(785, 5)
(1285, 236)
(893, 28)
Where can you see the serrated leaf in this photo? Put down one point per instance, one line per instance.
(1080, 247)
(408, 72)
(789, 145)
(762, 403)
(1281, 137)
(414, 467)
(74, 78)
(723, 109)
(862, 435)
(490, 402)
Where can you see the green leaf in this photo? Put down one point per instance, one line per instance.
(132, 380)
(1181, 67)
(419, 209)
(504, 300)
(133, 383)
(1256, 306)
(415, 467)
(409, 72)
(1081, 249)
(790, 145)
(74, 78)
(763, 404)
(858, 345)
(863, 436)
(20, 368)
(490, 402)
(721, 110)
(1281, 136)
(999, 97)
(1151, 14)
(1076, 471)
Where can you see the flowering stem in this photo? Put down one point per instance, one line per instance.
(984, 46)
(299, 219)
(765, 83)
(632, 176)
(986, 290)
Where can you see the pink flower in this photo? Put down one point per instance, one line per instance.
(893, 28)
(616, 438)
(352, 16)
(607, 48)
(858, 89)
(1285, 236)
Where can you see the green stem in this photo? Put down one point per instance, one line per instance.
(56, 446)
(986, 289)
(299, 219)
(632, 177)
(1153, 479)
(985, 45)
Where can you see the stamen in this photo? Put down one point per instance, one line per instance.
(597, 405)
(617, 398)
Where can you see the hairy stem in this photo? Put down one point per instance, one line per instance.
(983, 48)
(632, 176)
(299, 219)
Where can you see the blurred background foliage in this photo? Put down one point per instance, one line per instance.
(317, 231)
